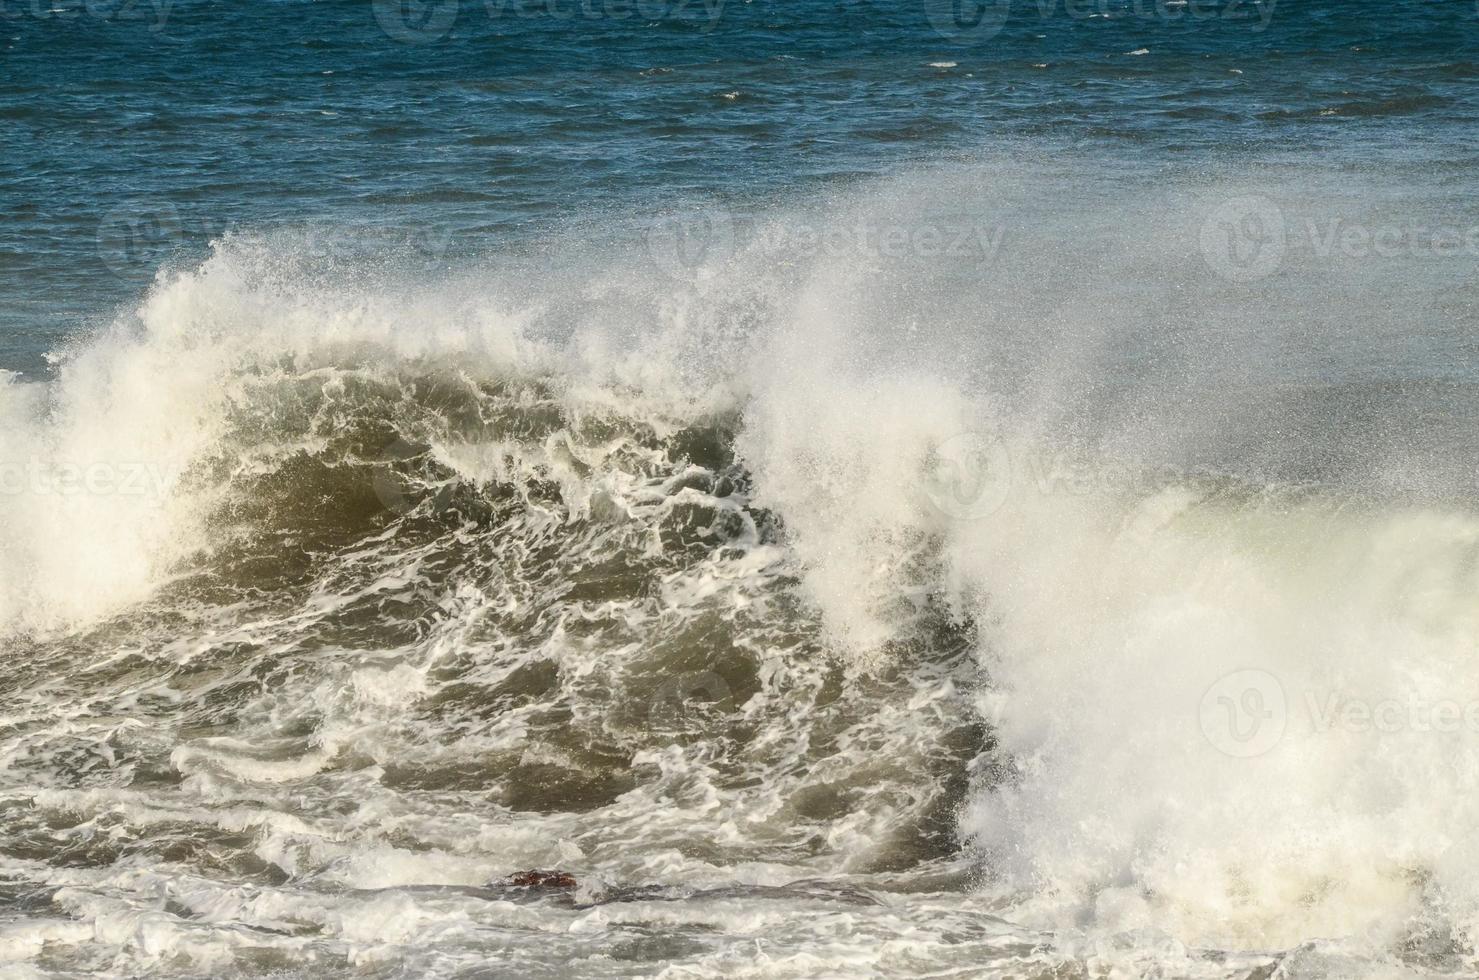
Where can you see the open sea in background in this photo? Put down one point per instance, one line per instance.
(937, 488)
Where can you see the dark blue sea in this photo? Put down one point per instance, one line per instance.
(942, 488)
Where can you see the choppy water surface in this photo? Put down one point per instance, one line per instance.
(864, 491)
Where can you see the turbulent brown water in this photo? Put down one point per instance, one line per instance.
(429, 620)
(820, 611)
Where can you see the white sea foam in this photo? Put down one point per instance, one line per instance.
(1157, 530)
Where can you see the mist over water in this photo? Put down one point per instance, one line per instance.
(792, 586)
(1031, 537)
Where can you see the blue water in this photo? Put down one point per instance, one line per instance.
(135, 133)
(862, 489)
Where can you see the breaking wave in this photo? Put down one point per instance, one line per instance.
(1007, 600)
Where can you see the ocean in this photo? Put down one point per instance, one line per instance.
(949, 488)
